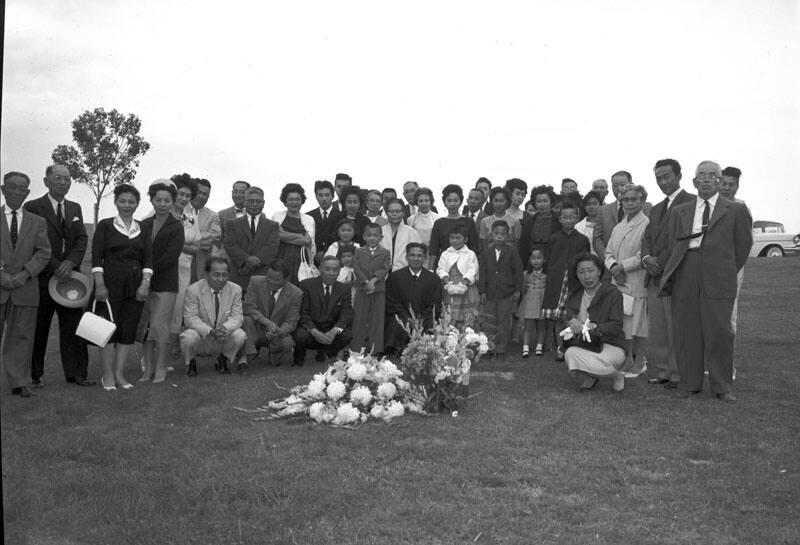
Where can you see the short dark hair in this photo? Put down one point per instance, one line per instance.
(119, 189)
(161, 186)
(592, 195)
(331, 258)
(13, 173)
(567, 204)
(343, 176)
(624, 173)
(280, 265)
(500, 190)
(459, 229)
(567, 180)
(344, 221)
(411, 245)
(585, 256)
(372, 225)
(185, 180)
(293, 188)
(672, 163)
(241, 182)
(452, 188)
(390, 202)
(544, 190)
(203, 182)
(516, 183)
(345, 248)
(389, 190)
(50, 168)
(351, 190)
(319, 185)
(733, 172)
(423, 191)
(217, 259)
(501, 223)
(483, 180)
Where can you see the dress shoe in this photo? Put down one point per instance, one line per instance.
(242, 369)
(22, 391)
(37, 383)
(588, 384)
(222, 365)
(657, 380)
(559, 354)
(107, 388)
(727, 397)
(81, 381)
(670, 385)
(618, 382)
(191, 369)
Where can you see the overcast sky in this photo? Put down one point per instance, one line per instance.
(439, 92)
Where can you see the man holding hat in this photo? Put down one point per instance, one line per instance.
(68, 241)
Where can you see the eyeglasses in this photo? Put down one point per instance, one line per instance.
(710, 176)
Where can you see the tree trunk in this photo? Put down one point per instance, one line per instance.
(96, 211)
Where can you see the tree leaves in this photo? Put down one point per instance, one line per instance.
(106, 152)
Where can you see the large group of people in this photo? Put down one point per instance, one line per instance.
(607, 287)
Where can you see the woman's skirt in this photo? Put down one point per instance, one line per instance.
(156, 317)
(463, 307)
(636, 325)
(558, 312)
(599, 364)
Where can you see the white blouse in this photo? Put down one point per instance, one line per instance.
(423, 223)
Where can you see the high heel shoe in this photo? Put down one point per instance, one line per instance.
(126, 386)
(107, 388)
(147, 372)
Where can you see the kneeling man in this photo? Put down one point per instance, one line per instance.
(212, 312)
(413, 287)
(272, 310)
(325, 315)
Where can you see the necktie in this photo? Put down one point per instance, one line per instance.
(327, 295)
(414, 277)
(274, 299)
(620, 213)
(14, 228)
(253, 226)
(324, 215)
(60, 218)
(216, 308)
(706, 216)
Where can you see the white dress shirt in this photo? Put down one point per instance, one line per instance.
(697, 223)
(7, 212)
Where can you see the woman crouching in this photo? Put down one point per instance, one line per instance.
(601, 305)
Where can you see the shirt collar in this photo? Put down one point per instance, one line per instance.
(7, 211)
(712, 201)
(54, 203)
(674, 194)
(133, 232)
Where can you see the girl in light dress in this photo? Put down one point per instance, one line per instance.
(458, 270)
(424, 219)
(345, 233)
(530, 308)
(591, 207)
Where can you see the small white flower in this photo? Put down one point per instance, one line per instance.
(402, 384)
(293, 400)
(395, 409)
(415, 407)
(469, 330)
(336, 390)
(386, 390)
(316, 388)
(378, 412)
(315, 411)
(346, 414)
(361, 396)
(356, 371)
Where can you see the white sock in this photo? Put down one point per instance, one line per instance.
(539, 347)
(525, 348)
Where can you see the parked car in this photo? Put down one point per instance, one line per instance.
(770, 239)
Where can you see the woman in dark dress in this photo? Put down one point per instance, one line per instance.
(165, 233)
(352, 200)
(452, 196)
(122, 267)
(296, 230)
(537, 229)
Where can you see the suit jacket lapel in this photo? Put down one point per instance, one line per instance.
(207, 300)
(4, 232)
(48, 213)
(719, 210)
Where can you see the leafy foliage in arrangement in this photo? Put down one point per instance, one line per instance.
(106, 152)
(435, 365)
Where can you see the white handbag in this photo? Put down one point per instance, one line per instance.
(96, 329)
(306, 270)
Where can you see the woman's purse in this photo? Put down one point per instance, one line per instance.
(306, 270)
(95, 328)
(594, 345)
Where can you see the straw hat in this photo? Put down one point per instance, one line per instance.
(73, 292)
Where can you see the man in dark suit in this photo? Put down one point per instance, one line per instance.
(655, 249)
(24, 253)
(271, 312)
(68, 241)
(252, 240)
(611, 214)
(412, 288)
(326, 314)
(325, 217)
(341, 181)
(475, 207)
(709, 242)
(231, 213)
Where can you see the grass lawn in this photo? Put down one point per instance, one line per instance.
(530, 460)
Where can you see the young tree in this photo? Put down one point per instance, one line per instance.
(108, 151)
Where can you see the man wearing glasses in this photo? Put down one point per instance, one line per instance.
(709, 241)
(251, 241)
